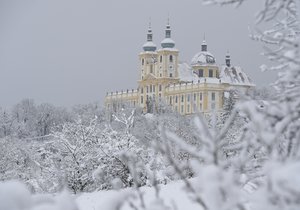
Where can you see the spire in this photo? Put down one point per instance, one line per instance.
(149, 45)
(227, 59)
(149, 34)
(168, 42)
(204, 45)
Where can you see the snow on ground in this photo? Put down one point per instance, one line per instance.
(172, 194)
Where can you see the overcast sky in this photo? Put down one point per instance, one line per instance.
(69, 52)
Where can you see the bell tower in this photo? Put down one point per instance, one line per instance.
(168, 56)
(148, 57)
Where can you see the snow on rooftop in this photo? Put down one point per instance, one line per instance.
(186, 74)
(203, 57)
(149, 44)
(168, 49)
(231, 75)
(234, 75)
(168, 40)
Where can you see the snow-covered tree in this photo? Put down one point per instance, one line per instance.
(77, 153)
(6, 123)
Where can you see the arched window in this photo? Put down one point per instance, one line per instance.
(171, 58)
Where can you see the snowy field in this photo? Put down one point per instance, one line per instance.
(171, 194)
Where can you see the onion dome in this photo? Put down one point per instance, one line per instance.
(203, 57)
(168, 42)
(149, 45)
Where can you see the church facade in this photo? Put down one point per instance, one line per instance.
(200, 86)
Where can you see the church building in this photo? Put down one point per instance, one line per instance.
(200, 86)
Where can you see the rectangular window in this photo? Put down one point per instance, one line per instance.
(150, 88)
(170, 100)
(142, 90)
(142, 99)
(200, 72)
(147, 89)
(188, 97)
(159, 88)
(195, 95)
(176, 99)
(151, 69)
(213, 96)
(211, 73)
(171, 75)
(153, 88)
(188, 108)
(200, 96)
(182, 98)
(200, 107)
(182, 108)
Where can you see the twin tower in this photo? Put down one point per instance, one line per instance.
(166, 43)
(161, 64)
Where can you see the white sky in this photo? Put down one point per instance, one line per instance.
(68, 52)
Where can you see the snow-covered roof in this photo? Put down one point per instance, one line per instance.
(203, 58)
(231, 75)
(168, 49)
(149, 46)
(234, 75)
(168, 40)
(168, 43)
(186, 74)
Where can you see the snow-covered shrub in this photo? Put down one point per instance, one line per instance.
(15, 196)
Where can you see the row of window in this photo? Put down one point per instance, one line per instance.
(151, 89)
(153, 97)
(161, 59)
(200, 73)
(189, 97)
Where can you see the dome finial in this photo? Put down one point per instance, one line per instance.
(149, 23)
(204, 45)
(227, 59)
(149, 45)
(168, 42)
